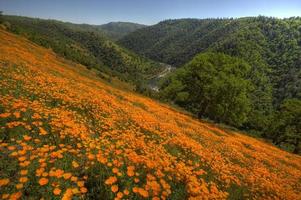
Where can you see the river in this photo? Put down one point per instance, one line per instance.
(154, 82)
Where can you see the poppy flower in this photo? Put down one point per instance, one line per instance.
(43, 181)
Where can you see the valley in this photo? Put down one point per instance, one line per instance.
(186, 108)
(67, 134)
(154, 82)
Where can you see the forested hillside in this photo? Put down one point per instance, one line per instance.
(85, 44)
(270, 47)
(66, 134)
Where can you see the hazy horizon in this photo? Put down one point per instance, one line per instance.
(142, 23)
(147, 12)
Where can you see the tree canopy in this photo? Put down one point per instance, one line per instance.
(286, 127)
(212, 85)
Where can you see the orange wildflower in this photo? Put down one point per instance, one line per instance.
(75, 164)
(115, 170)
(19, 186)
(4, 182)
(119, 195)
(83, 190)
(126, 192)
(111, 180)
(74, 178)
(21, 159)
(42, 131)
(130, 173)
(135, 189)
(23, 172)
(25, 163)
(26, 137)
(143, 192)
(114, 188)
(17, 114)
(44, 174)
(43, 181)
(57, 191)
(11, 148)
(23, 179)
(67, 176)
(16, 195)
(59, 173)
(80, 183)
(91, 157)
(4, 115)
(75, 191)
(13, 154)
(68, 194)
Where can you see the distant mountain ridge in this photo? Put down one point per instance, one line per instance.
(117, 30)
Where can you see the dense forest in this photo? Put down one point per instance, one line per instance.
(86, 44)
(213, 84)
(271, 46)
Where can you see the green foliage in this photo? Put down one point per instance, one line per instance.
(286, 127)
(213, 85)
(271, 46)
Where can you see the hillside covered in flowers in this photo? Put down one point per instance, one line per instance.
(66, 134)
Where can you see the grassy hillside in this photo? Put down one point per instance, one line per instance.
(65, 133)
(85, 44)
(117, 30)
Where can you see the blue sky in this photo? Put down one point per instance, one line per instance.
(147, 11)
